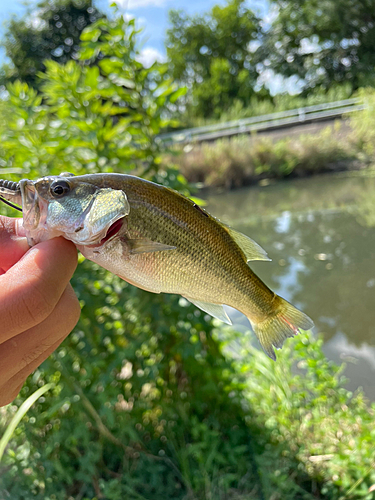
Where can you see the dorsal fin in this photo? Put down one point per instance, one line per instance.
(252, 250)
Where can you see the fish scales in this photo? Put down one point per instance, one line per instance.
(160, 241)
(205, 256)
(207, 264)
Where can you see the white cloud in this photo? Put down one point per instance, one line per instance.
(149, 55)
(138, 4)
(276, 83)
(127, 16)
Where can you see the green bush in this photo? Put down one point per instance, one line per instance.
(317, 436)
(98, 115)
(243, 160)
(144, 405)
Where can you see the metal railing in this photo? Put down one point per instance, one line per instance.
(263, 123)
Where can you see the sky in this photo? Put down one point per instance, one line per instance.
(151, 14)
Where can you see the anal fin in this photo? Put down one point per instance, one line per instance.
(215, 310)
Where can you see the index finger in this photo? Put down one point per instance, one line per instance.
(30, 290)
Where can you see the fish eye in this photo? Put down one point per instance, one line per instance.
(59, 188)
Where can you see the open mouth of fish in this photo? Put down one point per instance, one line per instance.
(113, 230)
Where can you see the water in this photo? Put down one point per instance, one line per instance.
(320, 234)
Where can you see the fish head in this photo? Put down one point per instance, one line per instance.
(70, 207)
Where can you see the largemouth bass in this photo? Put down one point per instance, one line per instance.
(157, 240)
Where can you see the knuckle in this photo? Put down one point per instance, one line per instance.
(33, 354)
(38, 304)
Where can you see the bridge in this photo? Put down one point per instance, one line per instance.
(292, 119)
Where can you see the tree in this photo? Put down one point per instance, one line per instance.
(324, 43)
(51, 31)
(69, 122)
(213, 55)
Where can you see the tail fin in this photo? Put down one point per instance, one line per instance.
(275, 329)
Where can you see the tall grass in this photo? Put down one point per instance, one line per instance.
(243, 160)
(21, 412)
(231, 163)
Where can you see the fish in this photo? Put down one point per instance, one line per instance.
(160, 241)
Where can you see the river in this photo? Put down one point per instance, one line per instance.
(320, 234)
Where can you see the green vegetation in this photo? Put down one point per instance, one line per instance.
(323, 44)
(245, 159)
(149, 398)
(89, 118)
(228, 56)
(146, 405)
(210, 54)
(51, 31)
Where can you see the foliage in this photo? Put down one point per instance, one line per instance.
(21, 412)
(51, 31)
(363, 123)
(262, 106)
(213, 55)
(242, 160)
(161, 412)
(89, 118)
(315, 431)
(141, 407)
(246, 159)
(323, 43)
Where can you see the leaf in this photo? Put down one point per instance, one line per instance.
(90, 34)
(177, 94)
(21, 412)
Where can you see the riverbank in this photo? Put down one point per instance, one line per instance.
(246, 160)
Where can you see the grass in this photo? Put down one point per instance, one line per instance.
(21, 412)
(244, 160)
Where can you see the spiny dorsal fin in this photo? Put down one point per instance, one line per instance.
(215, 310)
(252, 250)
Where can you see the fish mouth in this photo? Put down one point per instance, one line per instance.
(113, 230)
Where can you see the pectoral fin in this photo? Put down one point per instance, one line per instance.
(215, 310)
(252, 250)
(144, 246)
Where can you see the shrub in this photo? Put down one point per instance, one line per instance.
(244, 160)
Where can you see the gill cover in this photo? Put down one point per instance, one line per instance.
(61, 206)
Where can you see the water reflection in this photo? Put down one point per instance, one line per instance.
(320, 234)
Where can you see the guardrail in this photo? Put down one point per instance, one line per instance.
(263, 123)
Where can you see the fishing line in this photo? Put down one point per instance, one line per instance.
(10, 204)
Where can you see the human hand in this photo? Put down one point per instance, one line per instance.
(38, 307)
